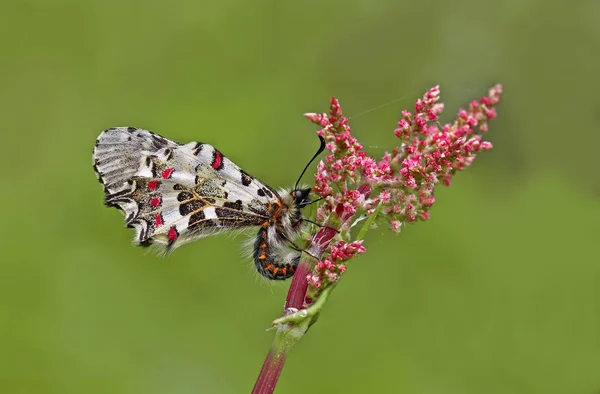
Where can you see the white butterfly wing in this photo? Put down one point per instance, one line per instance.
(173, 193)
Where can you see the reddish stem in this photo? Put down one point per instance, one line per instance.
(297, 291)
(269, 373)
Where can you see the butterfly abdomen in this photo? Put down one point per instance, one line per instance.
(268, 262)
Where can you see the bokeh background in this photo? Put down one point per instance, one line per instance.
(498, 293)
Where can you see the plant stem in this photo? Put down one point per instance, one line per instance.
(269, 373)
(297, 291)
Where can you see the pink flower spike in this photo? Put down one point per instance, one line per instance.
(357, 189)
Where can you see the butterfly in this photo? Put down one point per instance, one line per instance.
(173, 193)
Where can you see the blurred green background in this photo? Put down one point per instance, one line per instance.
(498, 293)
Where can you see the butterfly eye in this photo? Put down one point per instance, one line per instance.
(301, 197)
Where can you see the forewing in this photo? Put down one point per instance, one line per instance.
(173, 193)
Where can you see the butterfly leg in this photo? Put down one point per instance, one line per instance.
(296, 247)
(319, 224)
(268, 263)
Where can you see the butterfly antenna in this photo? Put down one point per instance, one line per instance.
(321, 149)
(317, 200)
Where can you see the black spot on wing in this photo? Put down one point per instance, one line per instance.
(190, 206)
(159, 142)
(151, 165)
(143, 235)
(129, 219)
(198, 216)
(232, 214)
(265, 192)
(236, 205)
(198, 148)
(198, 222)
(184, 196)
(246, 178)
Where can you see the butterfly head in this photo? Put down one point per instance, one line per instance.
(300, 196)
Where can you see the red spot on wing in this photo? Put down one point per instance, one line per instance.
(167, 173)
(218, 160)
(158, 219)
(173, 234)
(155, 201)
(152, 185)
